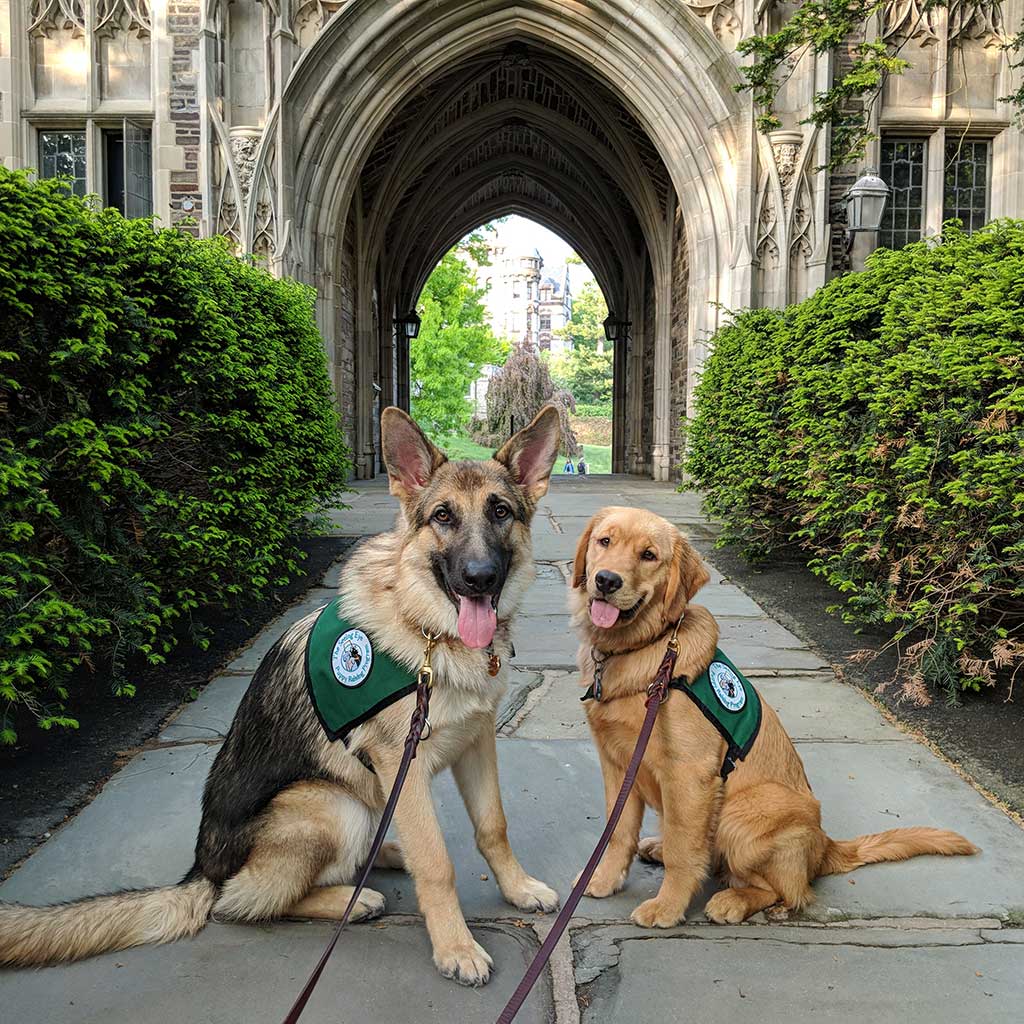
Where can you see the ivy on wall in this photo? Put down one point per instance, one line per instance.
(825, 26)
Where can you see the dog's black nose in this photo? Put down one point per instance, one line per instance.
(480, 577)
(608, 582)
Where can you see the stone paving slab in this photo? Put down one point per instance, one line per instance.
(544, 641)
(139, 832)
(249, 660)
(811, 707)
(229, 974)
(209, 716)
(769, 975)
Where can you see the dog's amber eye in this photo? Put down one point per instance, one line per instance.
(442, 515)
(502, 511)
(605, 541)
(649, 556)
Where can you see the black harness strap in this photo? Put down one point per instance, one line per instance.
(732, 753)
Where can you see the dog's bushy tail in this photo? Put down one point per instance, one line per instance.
(896, 844)
(71, 931)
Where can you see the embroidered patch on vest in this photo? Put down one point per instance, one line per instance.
(729, 702)
(727, 686)
(352, 657)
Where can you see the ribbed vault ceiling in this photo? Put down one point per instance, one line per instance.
(516, 130)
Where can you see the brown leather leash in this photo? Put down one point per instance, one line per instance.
(424, 681)
(656, 694)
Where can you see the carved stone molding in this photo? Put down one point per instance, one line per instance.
(786, 147)
(47, 15)
(244, 144)
(976, 20)
(909, 19)
(719, 15)
(311, 16)
(128, 15)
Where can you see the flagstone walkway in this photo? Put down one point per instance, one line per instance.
(928, 941)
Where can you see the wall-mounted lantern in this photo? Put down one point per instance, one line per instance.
(865, 204)
(408, 326)
(616, 330)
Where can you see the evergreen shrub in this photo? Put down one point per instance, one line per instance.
(166, 427)
(880, 425)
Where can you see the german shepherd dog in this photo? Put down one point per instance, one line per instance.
(288, 816)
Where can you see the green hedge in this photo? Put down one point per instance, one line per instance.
(166, 425)
(880, 424)
(601, 410)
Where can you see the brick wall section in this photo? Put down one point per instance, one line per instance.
(844, 176)
(648, 372)
(345, 338)
(183, 100)
(680, 329)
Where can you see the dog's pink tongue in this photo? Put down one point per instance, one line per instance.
(477, 621)
(603, 614)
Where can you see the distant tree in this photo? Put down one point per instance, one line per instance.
(586, 326)
(455, 340)
(515, 395)
(585, 374)
(586, 368)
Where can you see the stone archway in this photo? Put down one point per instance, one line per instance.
(404, 124)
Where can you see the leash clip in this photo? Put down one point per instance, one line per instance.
(425, 676)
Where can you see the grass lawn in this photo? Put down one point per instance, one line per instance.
(599, 457)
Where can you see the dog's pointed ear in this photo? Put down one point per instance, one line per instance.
(410, 458)
(579, 566)
(686, 576)
(530, 454)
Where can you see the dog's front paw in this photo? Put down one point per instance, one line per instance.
(370, 904)
(654, 913)
(649, 850)
(468, 964)
(532, 895)
(727, 907)
(604, 883)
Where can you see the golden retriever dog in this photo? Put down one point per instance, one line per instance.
(633, 579)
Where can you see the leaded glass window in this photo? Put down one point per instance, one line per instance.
(966, 182)
(62, 155)
(902, 169)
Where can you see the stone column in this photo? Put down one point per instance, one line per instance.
(661, 434)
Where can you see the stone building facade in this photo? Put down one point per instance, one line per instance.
(349, 143)
(523, 303)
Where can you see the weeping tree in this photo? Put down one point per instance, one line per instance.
(515, 395)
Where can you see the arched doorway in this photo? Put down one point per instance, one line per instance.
(404, 125)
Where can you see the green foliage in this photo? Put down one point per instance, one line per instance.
(880, 425)
(586, 374)
(599, 410)
(166, 424)
(586, 368)
(454, 343)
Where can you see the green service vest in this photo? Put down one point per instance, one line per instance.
(728, 700)
(349, 680)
